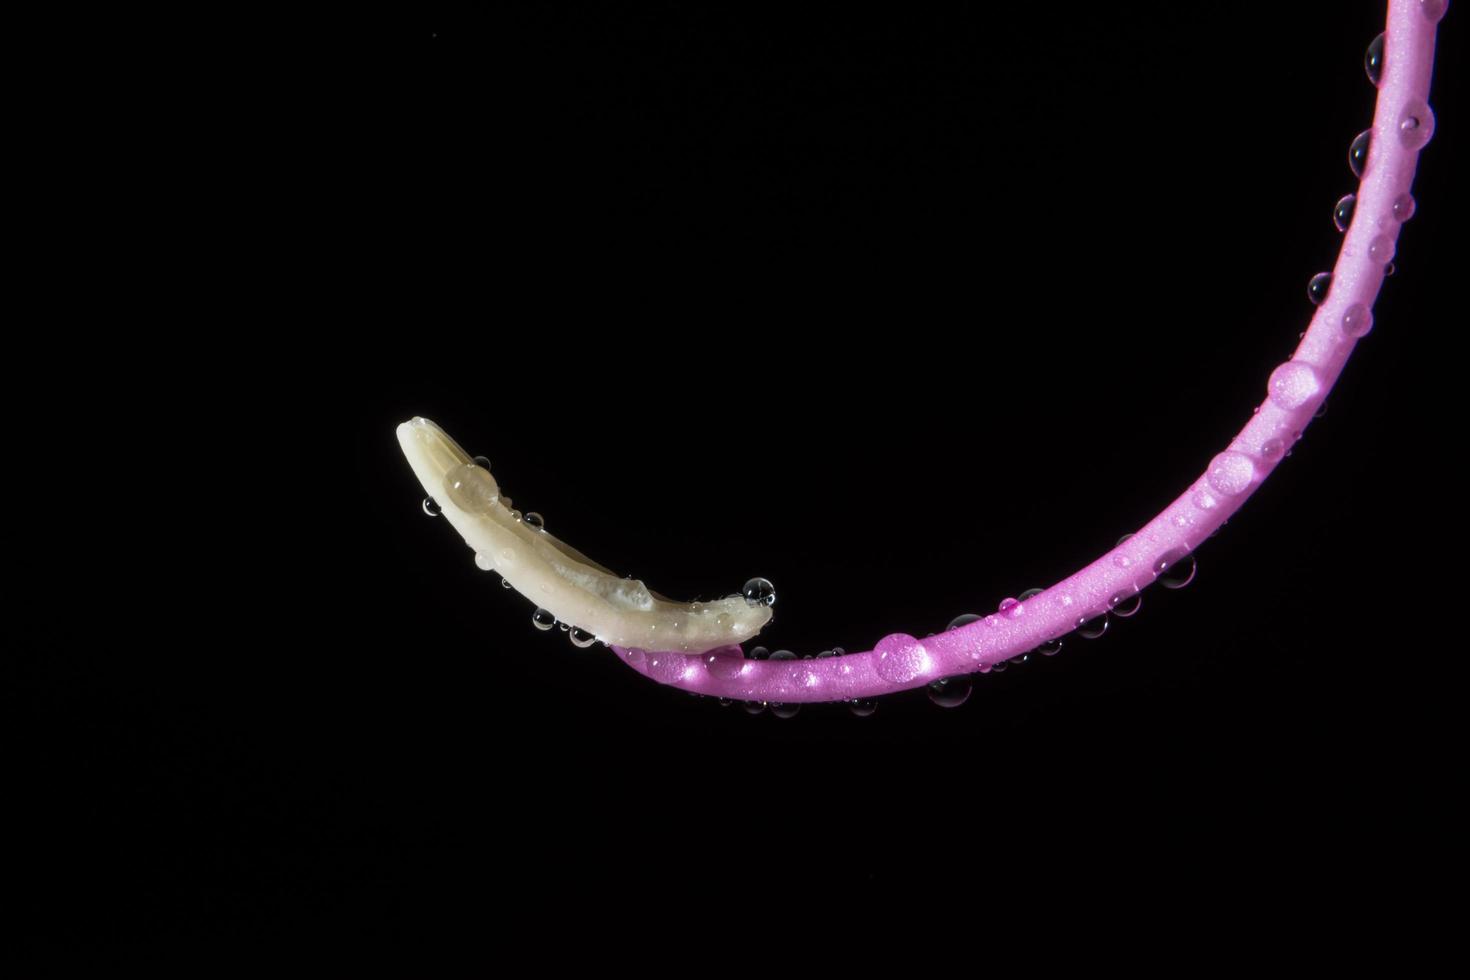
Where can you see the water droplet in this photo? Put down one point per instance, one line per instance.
(726, 702)
(1389, 270)
(505, 583)
(998, 668)
(666, 667)
(543, 619)
(758, 653)
(725, 663)
(1122, 561)
(1321, 411)
(1293, 385)
(951, 692)
(1342, 212)
(1125, 604)
(1416, 125)
(1358, 152)
(431, 507)
(759, 592)
(1231, 473)
(754, 707)
(1433, 9)
(900, 658)
(1204, 500)
(484, 562)
(1272, 449)
(1357, 320)
(784, 710)
(1175, 568)
(1091, 629)
(783, 655)
(862, 707)
(962, 620)
(1029, 593)
(827, 654)
(581, 639)
(1403, 208)
(483, 462)
(535, 520)
(1380, 249)
(1318, 287)
(1051, 647)
(471, 489)
(725, 621)
(1373, 60)
(1011, 608)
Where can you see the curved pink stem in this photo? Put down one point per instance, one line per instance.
(1402, 125)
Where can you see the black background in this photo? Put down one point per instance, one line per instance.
(908, 311)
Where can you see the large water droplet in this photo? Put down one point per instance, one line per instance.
(759, 592)
(725, 663)
(1403, 207)
(1381, 249)
(1318, 287)
(1433, 9)
(1125, 604)
(951, 692)
(1175, 568)
(581, 639)
(963, 620)
(1358, 152)
(1293, 385)
(431, 507)
(534, 520)
(484, 562)
(1416, 125)
(1357, 320)
(781, 710)
(1050, 648)
(900, 658)
(1231, 473)
(542, 619)
(1373, 60)
(862, 707)
(471, 488)
(1091, 629)
(1342, 211)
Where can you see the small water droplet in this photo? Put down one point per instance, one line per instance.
(1342, 212)
(484, 562)
(827, 654)
(783, 655)
(1293, 385)
(1357, 320)
(535, 520)
(1403, 207)
(483, 462)
(1380, 249)
(1358, 152)
(543, 619)
(1416, 125)
(1318, 287)
(726, 702)
(759, 592)
(1125, 604)
(1175, 568)
(1029, 593)
(581, 639)
(862, 707)
(1433, 9)
(1204, 500)
(754, 707)
(1321, 411)
(1272, 449)
(431, 507)
(1389, 270)
(1373, 60)
(781, 710)
(951, 692)
(1091, 629)
(758, 653)
(505, 583)
(999, 668)
(962, 620)
(1051, 647)
(1011, 608)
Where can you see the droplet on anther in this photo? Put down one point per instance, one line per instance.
(1403, 207)
(1091, 629)
(1373, 60)
(431, 507)
(1318, 287)
(581, 638)
(951, 692)
(1358, 152)
(1357, 320)
(862, 707)
(759, 592)
(1175, 569)
(1416, 125)
(1342, 212)
(542, 619)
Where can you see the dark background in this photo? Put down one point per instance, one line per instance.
(701, 284)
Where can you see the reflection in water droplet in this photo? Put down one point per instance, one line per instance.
(535, 520)
(431, 507)
(581, 638)
(1091, 629)
(1373, 60)
(1175, 568)
(504, 584)
(543, 619)
(1318, 287)
(998, 668)
(862, 707)
(1358, 152)
(1357, 320)
(1342, 212)
(950, 692)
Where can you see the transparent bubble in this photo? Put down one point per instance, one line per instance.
(542, 619)
(759, 592)
(1318, 287)
(950, 692)
(1358, 152)
(431, 507)
(1342, 212)
(1373, 60)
